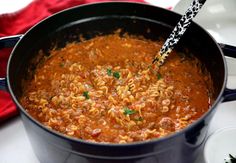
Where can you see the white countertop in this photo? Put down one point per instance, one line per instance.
(15, 145)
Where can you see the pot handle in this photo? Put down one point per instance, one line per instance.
(3, 84)
(230, 51)
(7, 42)
(229, 95)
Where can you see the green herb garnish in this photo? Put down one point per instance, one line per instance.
(139, 119)
(116, 75)
(109, 72)
(86, 94)
(128, 111)
(159, 76)
(61, 64)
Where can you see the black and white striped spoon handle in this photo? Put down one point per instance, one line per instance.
(178, 31)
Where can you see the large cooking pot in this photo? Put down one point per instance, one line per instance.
(103, 18)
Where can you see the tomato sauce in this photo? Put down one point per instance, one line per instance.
(106, 90)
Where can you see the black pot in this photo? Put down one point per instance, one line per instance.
(103, 18)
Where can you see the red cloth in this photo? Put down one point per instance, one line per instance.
(19, 23)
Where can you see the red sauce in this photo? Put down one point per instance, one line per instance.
(106, 90)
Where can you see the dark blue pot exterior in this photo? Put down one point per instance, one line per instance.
(181, 148)
(93, 19)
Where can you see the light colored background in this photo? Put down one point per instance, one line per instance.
(9, 6)
(217, 16)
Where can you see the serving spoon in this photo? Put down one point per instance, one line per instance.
(178, 31)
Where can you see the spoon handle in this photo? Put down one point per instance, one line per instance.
(178, 31)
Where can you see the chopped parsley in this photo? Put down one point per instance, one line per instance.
(159, 76)
(61, 64)
(128, 111)
(139, 119)
(86, 94)
(109, 72)
(116, 75)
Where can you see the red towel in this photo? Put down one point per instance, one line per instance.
(19, 23)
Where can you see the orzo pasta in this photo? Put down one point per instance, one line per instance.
(106, 90)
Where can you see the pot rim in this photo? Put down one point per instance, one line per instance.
(138, 143)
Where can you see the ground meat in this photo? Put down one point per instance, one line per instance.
(167, 123)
